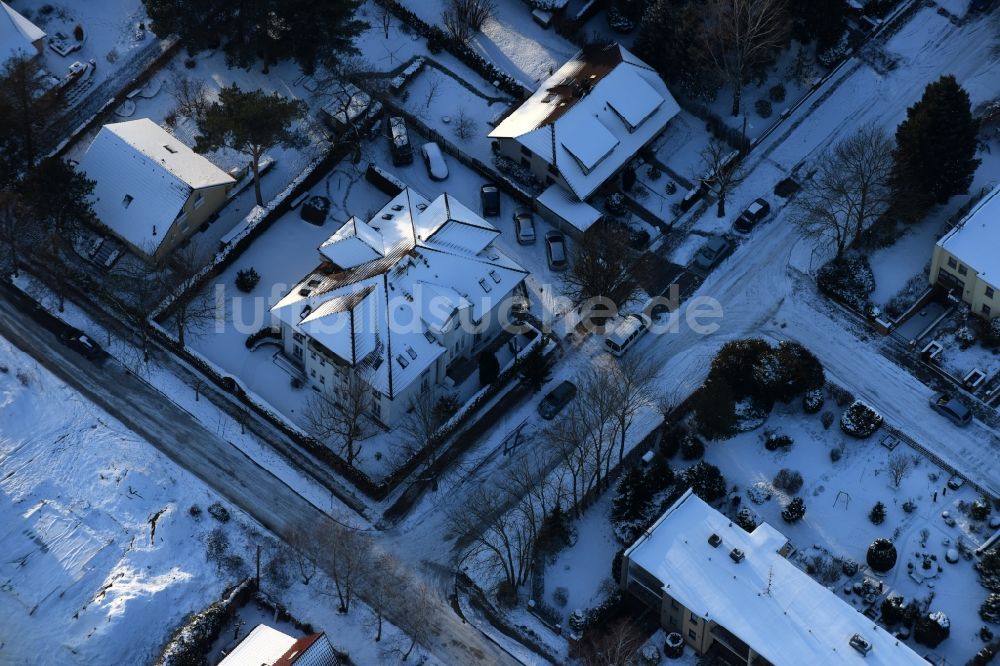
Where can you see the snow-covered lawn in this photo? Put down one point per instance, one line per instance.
(83, 572)
(838, 497)
(510, 39)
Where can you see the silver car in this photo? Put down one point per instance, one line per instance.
(524, 226)
(711, 254)
(434, 160)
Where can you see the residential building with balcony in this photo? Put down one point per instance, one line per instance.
(734, 594)
(966, 262)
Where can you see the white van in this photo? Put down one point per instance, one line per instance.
(627, 333)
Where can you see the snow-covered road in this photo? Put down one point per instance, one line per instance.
(220, 465)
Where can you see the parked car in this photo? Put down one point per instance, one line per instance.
(399, 142)
(489, 197)
(434, 160)
(711, 253)
(626, 333)
(556, 399)
(555, 250)
(78, 341)
(314, 210)
(949, 406)
(524, 226)
(753, 214)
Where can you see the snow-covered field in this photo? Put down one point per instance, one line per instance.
(101, 558)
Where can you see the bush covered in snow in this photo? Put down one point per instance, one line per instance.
(881, 556)
(636, 504)
(849, 280)
(860, 420)
(193, 640)
(247, 279)
(877, 514)
(931, 629)
(794, 511)
(979, 509)
(750, 415)
(759, 492)
(755, 369)
(692, 448)
(892, 610)
(615, 203)
(706, 480)
(219, 512)
(746, 519)
(965, 337)
(989, 611)
(774, 440)
(812, 401)
(789, 480)
(988, 567)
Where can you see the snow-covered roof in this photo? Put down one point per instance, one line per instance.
(17, 34)
(592, 115)
(764, 600)
(263, 645)
(143, 176)
(578, 213)
(437, 259)
(975, 239)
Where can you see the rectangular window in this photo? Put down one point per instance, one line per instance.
(672, 621)
(525, 151)
(952, 263)
(297, 352)
(525, 162)
(986, 310)
(693, 636)
(322, 379)
(673, 603)
(989, 292)
(199, 200)
(693, 620)
(962, 270)
(312, 373)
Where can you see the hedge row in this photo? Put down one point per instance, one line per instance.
(191, 641)
(438, 39)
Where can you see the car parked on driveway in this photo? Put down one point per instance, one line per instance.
(78, 341)
(950, 407)
(711, 253)
(555, 250)
(752, 215)
(399, 142)
(556, 399)
(489, 197)
(524, 226)
(434, 160)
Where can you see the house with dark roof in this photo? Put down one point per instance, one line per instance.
(399, 300)
(266, 646)
(583, 125)
(151, 190)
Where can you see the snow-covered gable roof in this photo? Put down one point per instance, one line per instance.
(438, 260)
(592, 115)
(143, 176)
(975, 239)
(17, 34)
(263, 645)
(765, 600)
(578, 213)
(354, 244)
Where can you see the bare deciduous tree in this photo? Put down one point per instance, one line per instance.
(724, 172)
(462, 18)
(739, 36)
(418, 604)
(850, 189)
(384, 16)
(346, 555)
(303, 549)
(614, 646)
(629, 381)
(191, 96)
(379, 588)
(134, 290)
(600, 268)
(193, 311)
(465, 125)
(898, 467)
(339, 416)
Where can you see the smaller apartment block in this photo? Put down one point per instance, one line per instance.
(966, 261)
(732, 592)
